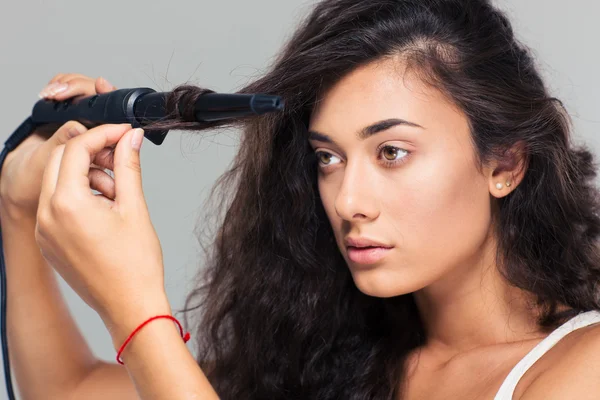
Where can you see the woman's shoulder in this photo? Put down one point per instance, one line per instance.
(569, 370)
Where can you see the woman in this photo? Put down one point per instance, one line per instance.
(419, 127)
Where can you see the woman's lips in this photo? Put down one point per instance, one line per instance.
(367, 255)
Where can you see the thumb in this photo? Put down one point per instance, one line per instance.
(67, 131)
(128, 171)
(103, 86)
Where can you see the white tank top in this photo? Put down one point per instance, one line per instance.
(579, 321)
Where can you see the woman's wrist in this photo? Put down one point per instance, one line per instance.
(162, 367)
(13, 215)
(121, 323)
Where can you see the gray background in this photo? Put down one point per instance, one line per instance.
(223, 45)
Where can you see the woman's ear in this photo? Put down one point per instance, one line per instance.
(508, 170)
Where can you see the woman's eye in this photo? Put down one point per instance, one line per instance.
(324, 157)
(389, 155)
(390, 151)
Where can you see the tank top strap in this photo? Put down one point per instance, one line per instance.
(579, 321)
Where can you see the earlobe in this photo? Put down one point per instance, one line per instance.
(509, 169)
(499, 188)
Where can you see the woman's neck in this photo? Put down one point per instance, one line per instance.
(474, 307)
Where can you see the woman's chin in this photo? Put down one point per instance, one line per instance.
(378, 282)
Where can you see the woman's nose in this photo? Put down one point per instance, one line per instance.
(357, 196)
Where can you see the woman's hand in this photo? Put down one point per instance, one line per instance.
(104, 247)
(21, 176)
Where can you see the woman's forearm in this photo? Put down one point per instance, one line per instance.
(158, 360)
(48, 354)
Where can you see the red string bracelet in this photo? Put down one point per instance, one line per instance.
(185, 337)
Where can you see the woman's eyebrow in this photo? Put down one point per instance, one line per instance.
(367, 131)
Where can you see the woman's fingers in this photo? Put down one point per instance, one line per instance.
(106, 200)
(105, 158)
(50, 177)
(59, 83)
(102, 182)
(99, 180)
(104, 86)
(79, 153)
(66, 86)
(71, 88)
(102, 178)
(67, 131)
(62, 77)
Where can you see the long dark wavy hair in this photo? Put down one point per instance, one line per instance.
(279, 314)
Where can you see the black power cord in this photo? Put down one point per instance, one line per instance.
(24, 130)
(7, 376)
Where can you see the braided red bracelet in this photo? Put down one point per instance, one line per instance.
(185, 337)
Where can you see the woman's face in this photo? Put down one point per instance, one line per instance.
(412, 186)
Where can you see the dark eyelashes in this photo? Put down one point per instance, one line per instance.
(386, 163)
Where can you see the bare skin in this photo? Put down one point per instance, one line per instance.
(435, 208)
(479, 327)
(35, 303)
(480, 373)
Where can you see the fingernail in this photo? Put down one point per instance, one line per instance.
(46, 91)
(52, 89)
(137, 139)
(59, 88)
(73, 131)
